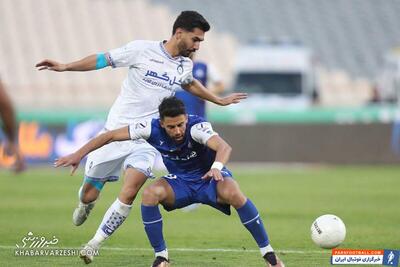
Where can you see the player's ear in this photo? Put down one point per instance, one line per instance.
(179, 33)
(162, 123)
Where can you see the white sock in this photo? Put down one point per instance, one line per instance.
(113, 218)
(163, 254)
(265, 250)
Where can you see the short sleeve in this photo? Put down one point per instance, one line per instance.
(201, 132)
(140, 129)
(187, 69)
(126, 55)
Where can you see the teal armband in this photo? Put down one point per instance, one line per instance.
(101, 61)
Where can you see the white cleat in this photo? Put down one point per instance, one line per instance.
(81, 213)
(87, 253)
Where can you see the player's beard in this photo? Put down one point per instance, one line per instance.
(183, 50)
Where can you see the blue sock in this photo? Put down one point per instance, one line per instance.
(251, 220)
(152, 221)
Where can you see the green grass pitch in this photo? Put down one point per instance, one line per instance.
(367, 198)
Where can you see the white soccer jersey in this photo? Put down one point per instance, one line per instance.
(153, 75)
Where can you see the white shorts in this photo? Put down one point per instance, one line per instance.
(105, 164)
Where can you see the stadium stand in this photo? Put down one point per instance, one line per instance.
(348, 37)
(67, 30)
(345, 34)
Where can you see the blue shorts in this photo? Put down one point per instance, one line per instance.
(196, 191)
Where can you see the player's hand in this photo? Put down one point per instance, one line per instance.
(232, 99)
(48, 64)
(70, 160)
(13, 150)
(213, 173)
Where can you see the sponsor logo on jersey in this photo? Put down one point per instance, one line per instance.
(192, 154)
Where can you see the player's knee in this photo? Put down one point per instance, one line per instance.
(127, 197)
(88, 193)
(236, 198)
(132, 184)
(151, 195)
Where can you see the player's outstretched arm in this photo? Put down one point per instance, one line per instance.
(75, 158)
(196, 88)
(223, 150)
(92, 62)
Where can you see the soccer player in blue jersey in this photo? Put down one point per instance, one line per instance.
(195, 157)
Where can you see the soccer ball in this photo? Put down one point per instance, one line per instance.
(328, 231)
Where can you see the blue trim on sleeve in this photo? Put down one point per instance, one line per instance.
(101, 61)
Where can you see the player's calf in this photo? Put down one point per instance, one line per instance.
(88, 194)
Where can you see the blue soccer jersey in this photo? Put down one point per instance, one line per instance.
(189, 160)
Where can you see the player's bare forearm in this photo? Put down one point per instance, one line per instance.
(222, 148)
(196, 88)
(85, 64)
(223, 152)
(120, 134)
(199, 90)
(73, 159)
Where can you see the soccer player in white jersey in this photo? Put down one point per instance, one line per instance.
(156, 70)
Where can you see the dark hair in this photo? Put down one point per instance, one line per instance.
(189, 20)
(171, 107)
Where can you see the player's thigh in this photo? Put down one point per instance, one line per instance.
(160, 191)
(228, 192)
(141, 158)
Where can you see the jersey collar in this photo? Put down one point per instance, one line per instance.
(162, 47)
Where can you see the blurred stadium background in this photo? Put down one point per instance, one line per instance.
(323, 77)
(348, 72)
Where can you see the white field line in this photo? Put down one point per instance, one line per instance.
(291, 251)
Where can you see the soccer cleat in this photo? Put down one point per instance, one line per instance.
(87, 253)
(270, 258)
(81, 213)
(160, 262)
